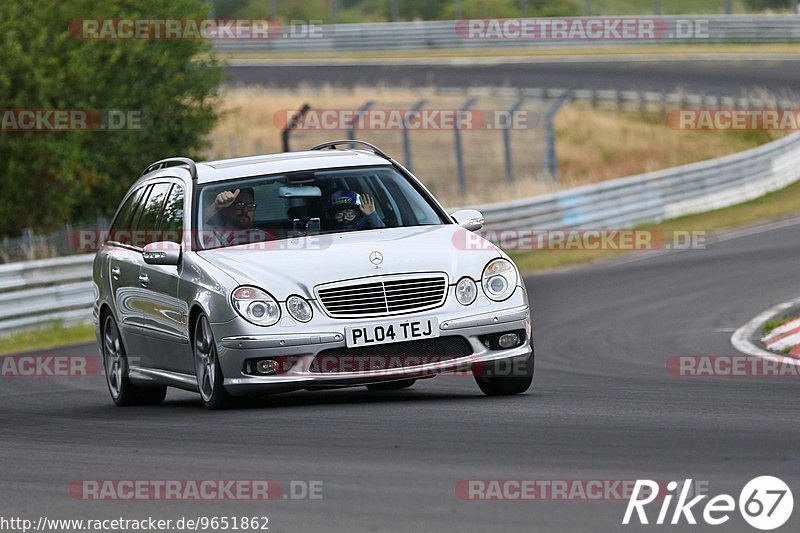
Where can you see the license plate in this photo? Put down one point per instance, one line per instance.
(396, 331)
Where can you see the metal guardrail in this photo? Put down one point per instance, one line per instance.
(37, 292)
(432, 35)
(34, 293)
(659, 195)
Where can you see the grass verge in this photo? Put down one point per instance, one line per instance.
(777, 322)
(46, 337)
(776, 205)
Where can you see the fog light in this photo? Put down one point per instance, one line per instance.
(508, 340)
(267, 366)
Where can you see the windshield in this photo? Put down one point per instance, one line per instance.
(257, 209)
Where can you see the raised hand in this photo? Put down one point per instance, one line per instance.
(367, 204)
(225, 198)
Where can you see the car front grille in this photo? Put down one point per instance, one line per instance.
(389, 295)
(391, 355)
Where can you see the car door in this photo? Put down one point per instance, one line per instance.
(124, 261)
(164, 315)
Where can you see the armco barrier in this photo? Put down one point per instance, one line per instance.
(450, 35)
(38, 292)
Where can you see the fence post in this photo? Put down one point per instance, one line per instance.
(728, 7)
(292, 124)
(656, 7)
(507, 140)
(551, 161)
(351, 131)
(27, 243)
(406, 141)
(462, 177)
(587, 8)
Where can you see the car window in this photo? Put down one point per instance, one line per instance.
(148, 222)
(120, 229)
(310, 202)
(171, 226)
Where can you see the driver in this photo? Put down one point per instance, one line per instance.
(230, 219)
(347, 210)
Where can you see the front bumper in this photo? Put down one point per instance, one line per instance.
(303, 347)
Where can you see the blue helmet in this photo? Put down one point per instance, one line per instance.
(342, 200)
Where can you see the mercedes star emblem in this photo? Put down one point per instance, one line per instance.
(376, 258)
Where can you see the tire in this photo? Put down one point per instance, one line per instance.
(492, 384)
(115, 366)
(207, 369)
(391, 385)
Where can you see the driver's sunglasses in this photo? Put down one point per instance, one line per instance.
(249, 206)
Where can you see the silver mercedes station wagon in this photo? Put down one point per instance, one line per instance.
(329, 268)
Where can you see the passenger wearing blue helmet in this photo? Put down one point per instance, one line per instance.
(347, 210)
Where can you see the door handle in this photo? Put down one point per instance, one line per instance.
(144, 279)
(115, 272)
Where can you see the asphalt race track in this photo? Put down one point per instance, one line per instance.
(720, 78)
(603, 407)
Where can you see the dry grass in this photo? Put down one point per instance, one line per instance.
(600, 144)
(593, 144)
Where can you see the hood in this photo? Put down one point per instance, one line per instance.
(296, 266)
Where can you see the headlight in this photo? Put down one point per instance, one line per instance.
(499, 279)
(256, 305)
(299, 308)
(466, 291)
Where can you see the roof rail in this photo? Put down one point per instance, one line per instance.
(371, 147)
(173, 162)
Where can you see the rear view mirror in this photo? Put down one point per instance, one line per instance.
(162, 253)
(299, 191)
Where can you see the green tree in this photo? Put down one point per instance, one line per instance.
(49, 177)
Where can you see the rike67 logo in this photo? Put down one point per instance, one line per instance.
(765, 503)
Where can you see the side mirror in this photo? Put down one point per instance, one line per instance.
(162, 253)
(470, 219)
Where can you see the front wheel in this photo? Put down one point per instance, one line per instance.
(207, 369)
(115, 363)
(505, 377)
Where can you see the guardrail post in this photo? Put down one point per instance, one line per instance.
(728, 7)
(27, 243)
(656, 7)
(587, 8)
(507, 140)
(551, 161)
(292, 124)
(351, 131)
(462, 177)
(406, 141)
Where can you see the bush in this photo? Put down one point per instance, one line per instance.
(49, 177)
